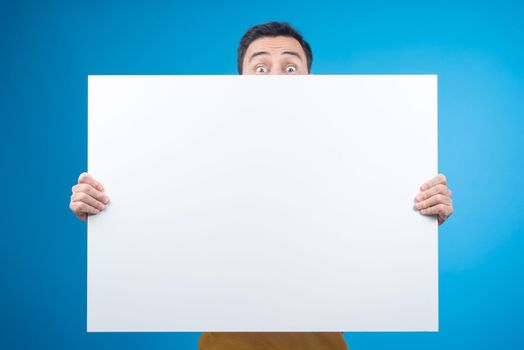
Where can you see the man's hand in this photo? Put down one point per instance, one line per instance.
(435, 199)
(87, 197)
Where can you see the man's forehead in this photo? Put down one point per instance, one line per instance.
(275, 44)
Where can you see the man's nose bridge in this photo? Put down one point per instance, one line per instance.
(276, 69)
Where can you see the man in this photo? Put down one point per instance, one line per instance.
(271, 48)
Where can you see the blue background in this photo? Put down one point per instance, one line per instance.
(48, 48)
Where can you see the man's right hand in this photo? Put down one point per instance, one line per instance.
(87, 197)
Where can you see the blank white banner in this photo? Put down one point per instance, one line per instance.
(262, 203)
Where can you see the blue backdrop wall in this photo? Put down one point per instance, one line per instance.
(48, 48)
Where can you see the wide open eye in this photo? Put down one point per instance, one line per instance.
(291, 69)
(262, 69)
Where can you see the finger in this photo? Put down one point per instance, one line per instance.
(439, 179)
(440, 188)
(80, 209)
(432, 201)
(90, 190)
(85, 178)
(87, 199)
(439, 209)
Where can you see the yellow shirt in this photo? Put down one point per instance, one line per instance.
(272, 341)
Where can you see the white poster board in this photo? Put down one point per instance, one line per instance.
(262, 203)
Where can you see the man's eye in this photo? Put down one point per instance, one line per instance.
(290, 69)
(262, 69)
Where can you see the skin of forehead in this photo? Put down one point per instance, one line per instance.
(274, 45)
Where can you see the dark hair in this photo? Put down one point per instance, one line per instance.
(271, 29)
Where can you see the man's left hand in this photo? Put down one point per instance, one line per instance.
(435, 199)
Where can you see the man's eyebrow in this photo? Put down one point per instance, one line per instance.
(293, 53)
(258, 54)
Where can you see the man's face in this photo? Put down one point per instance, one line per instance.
(275, 55)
